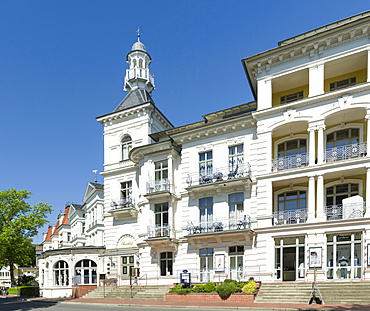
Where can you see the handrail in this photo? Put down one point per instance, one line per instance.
(140, 277)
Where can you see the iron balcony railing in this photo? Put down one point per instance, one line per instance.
(219, 224)
(158, 231)
(345, 211)
(290, 162)
(125, 202)
(158, 186)
(345, 152)
(219, 175)
(289, 217)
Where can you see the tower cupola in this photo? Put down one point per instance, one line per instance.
(138, 75)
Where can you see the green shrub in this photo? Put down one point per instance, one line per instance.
(175, 290)
(184, 291)
(210, 287)
(198, 288)
(226, 289)
(24, 291)
(250, 287)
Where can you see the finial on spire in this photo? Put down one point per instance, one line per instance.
(95, 171)
(138, 33)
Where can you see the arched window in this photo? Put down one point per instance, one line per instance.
(85, 272)
(126, 146)
(134, 62)
(61, 275)
(141, 63)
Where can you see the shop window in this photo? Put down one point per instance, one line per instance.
(85, 272)
(61, 274)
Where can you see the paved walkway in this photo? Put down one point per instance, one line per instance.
(215, 305)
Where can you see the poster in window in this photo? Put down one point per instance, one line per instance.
(220, 263)
(315, 257)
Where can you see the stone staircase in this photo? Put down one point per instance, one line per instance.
(150, 292)
(332, 292)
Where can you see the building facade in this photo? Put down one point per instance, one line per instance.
(275, 189)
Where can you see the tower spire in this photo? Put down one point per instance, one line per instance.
(138, 75)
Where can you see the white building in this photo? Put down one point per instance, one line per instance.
(270, 188)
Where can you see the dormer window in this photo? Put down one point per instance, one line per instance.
(291, 97)
(126, 144)
(342, 84)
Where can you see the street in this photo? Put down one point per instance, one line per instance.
(14, 304)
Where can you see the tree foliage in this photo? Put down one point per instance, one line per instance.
(19, 222)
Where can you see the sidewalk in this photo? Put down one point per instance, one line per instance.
(214, 305)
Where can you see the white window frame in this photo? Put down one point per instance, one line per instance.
(288, 138)
(344, 127)
(297, 188)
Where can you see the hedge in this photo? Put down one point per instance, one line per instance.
(24, 291)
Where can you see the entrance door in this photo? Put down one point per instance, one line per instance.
(289, 261)
(127, 266)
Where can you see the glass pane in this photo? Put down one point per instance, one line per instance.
(239, 149)
(330, 237)
(240, 197)
(165, 218)
(232, 263)
(291, 195)
(354, 187)
(343, 237)
(124, 260)
(292, 144)
(302, 143)
(232, 249)
(341, 188)
(301, 240)
(342, 134)
(358, 235)
(210, 251)
(354, 133)
(330, 137)
(277, 258)
(131, 259)
(232, 198)
(203, 252)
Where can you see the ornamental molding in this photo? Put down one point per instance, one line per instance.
(311, 49)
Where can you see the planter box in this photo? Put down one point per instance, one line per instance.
(206, 297)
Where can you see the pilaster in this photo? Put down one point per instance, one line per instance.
(264, 94)
(320, 215)
(316, 80)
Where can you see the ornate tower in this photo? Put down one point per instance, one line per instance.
(138, 75)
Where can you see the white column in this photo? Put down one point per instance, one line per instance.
(170, 172)
(264, 94)
(312, 150)
(368, 65)
(316, 80)
(320, 145)
(367, 198)
(320, 198)
(311, 198)
(368, 134)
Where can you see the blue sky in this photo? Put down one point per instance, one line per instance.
(62, 64)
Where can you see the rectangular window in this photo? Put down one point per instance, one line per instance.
(68, 236)
(342, 84)
(205, 165)
(124, 270)
(206, 214)
(236, 211)
(291, 97)
(236, 159)
(161, 219)
(166, 263)
(126, 190)
(161, 175)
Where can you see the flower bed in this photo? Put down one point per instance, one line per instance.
(209, 297)
(228, 290)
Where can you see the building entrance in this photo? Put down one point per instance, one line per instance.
(289, 259)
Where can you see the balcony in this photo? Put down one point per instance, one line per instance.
(345, 152)
(139, 73)
(160, 187)
(290, 162)
(220, 175)
(219, 225)
(159, 231)
(123, 207)
(345, 211)
(289, 217)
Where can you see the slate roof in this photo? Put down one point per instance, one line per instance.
(134, 98)
(77, 206)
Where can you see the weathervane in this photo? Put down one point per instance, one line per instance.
(138, 33)
(95, 171)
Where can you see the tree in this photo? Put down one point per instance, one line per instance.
(19, 222)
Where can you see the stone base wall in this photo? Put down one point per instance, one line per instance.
(204, 297)
(81, 290)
